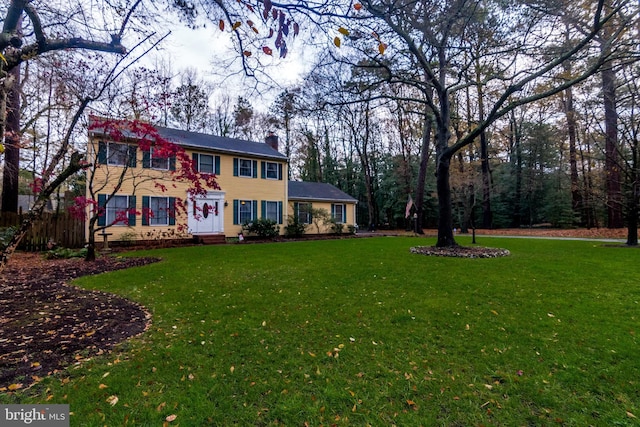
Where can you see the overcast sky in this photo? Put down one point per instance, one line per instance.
(204, 48)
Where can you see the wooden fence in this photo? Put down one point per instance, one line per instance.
(61, 228)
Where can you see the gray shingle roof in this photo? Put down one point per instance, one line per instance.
(219, 143)
(196, 140)
(317, 191)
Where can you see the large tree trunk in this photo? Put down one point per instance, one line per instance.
(91, 240)
(633, 200)
(445, 214)
(12, 142)
(591, 216)
(632, 220)
(487, 214)
(612, 158)
(576, 195)
(422, 174)
(516, 154)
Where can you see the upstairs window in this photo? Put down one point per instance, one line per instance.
(116, 154)
(158, 162)
(271, 170)
(207, 163)
(245, 168)
(154, 161)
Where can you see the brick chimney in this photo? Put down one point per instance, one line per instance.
(272, 140)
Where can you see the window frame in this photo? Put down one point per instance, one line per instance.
(112, 157)
(111, 212)
(213, 164)
(153, 218)
(248, 215)
(106, 154)
(266, 204)
(275, 170)
(153, 159)
(334, 212)
(241, 167)
(308, 206)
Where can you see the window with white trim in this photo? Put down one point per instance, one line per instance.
(272, 211)
(117, 154)
(159, 162)
(245, 211)
(245, 168)
(303, 213)
(206, 164)
(117, 210)
(271, 170)
(338, 213)
(159, 207)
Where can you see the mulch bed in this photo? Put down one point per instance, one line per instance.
(461, 251)
(45, 324)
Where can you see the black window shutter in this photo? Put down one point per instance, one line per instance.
(133, 152)
(132, 211)
(102, 204)
(102, 152)
(146, 159)
(196, 165)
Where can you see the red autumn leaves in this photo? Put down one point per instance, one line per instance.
(284, 26)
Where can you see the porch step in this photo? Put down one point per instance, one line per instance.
(211, 239)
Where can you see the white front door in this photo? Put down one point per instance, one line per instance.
(206, 215)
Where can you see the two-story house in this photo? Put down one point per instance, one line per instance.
(252, 177)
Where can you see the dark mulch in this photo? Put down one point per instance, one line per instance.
(461, 251)
(45, 324)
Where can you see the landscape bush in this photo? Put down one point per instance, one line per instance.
(265, 228)
(294, 228)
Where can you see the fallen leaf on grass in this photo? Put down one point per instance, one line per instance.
(171, 417)
(102, 386)
(112, 400)
(630, 415)
(13, 387)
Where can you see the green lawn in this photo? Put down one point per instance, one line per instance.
(361, 331)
